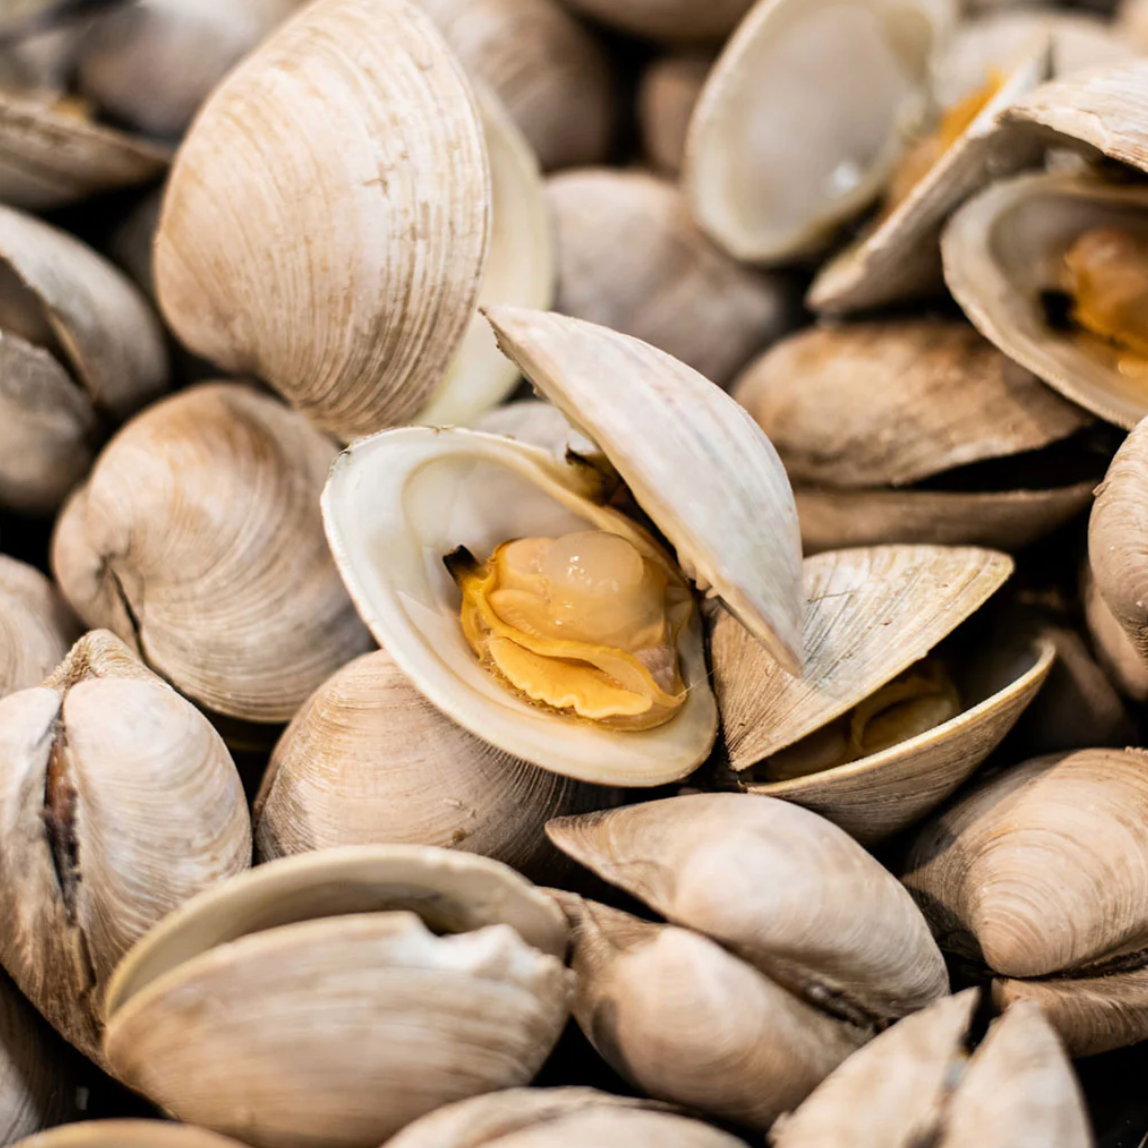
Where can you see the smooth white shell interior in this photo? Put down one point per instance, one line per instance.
(803, 118)
(398, 502)
(519, 270)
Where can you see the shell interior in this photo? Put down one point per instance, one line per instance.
(397, 503)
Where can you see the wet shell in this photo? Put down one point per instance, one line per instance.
(198, 540)
(400, 209)
(367, 759)
(630, 257)
(667, 92)
(36, 626)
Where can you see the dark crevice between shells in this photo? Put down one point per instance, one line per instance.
(126, 605)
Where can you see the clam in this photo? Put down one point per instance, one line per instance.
(197, 539)
(898, 256)
(79, 348)
(118, 801)
(557, 1118)
(803, 118)
(544, 621)
(151, 64)
(667, 92)
(1115, 650)
(787, 948)
(549, 71)
(128, 1134)
(918, 430)
(36, 626)
(367, 759)
(672, 21)
(1040, 875)
(381, 982)
(36, 1085)
(1046, 266)
(918, 1083)
(884, 725)
(630, 257)
(540, 423)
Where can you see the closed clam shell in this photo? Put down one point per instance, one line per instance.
(667, 92)
(800, 121)
(781, 887)
(322, 969)
(692, 1024)
(630, 257)
(36, 626)
(557, 1118)
(665, 430)
(1115, 650)
(118, 801)
(386, 496)
(128, 1134)
(549, 71)
(198, 540)
(1005, 248)
(368, 759)
(351, 132)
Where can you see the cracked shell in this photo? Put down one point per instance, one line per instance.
(383, 981)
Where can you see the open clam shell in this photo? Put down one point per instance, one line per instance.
(128, 1134)
(899, 257)
(324, 970)
(1004, 251)
(801, 119)
(36, 626)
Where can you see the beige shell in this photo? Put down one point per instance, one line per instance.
(630, 257)
(327, 241)
(917, 1084)
(688, 1022)
(37, 1085)
(549, 71)
(1115, 651)
(1043, 870)
(367, 759)
(557, 1118)
(801, 119)
(36, 626)
(198, 540)
(673, 21)
(539, 423)
(1131, 21)
(386, 495)
(118, 801)
(785, 889)
(899, 257)
(871, 614)
(152, 64)
(736, 536)
(1004, 248)
(324, 970)
(667, 92)
(128, 1134)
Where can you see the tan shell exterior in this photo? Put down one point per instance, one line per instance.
(687, 1022)
(1114, 647)
(549, 71)
(106, 767)
(36, 626)
(368, 759)
(630, 257)
(128, 1134)
(788, 891)
(667, 92)
(871, 614)
(198, 540)
(393, 191)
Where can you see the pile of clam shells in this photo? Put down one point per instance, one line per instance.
(573, 573)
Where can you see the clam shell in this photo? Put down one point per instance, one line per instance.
(549, 71)
(668, 431)
(317, 969)
(630, 257)
(899, 258)
(537, 423)
(1006, 246)
(36, 626)
(667, 92)
(198, 540)
(128, 1134)
(1114, 648)
(557, 1118)
(778, 885)
(688, 1022)
(367, 759)
(799, 123)
(871, 614)
(878, 795)
(106, 763)
(392, 189)
(386, 496)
